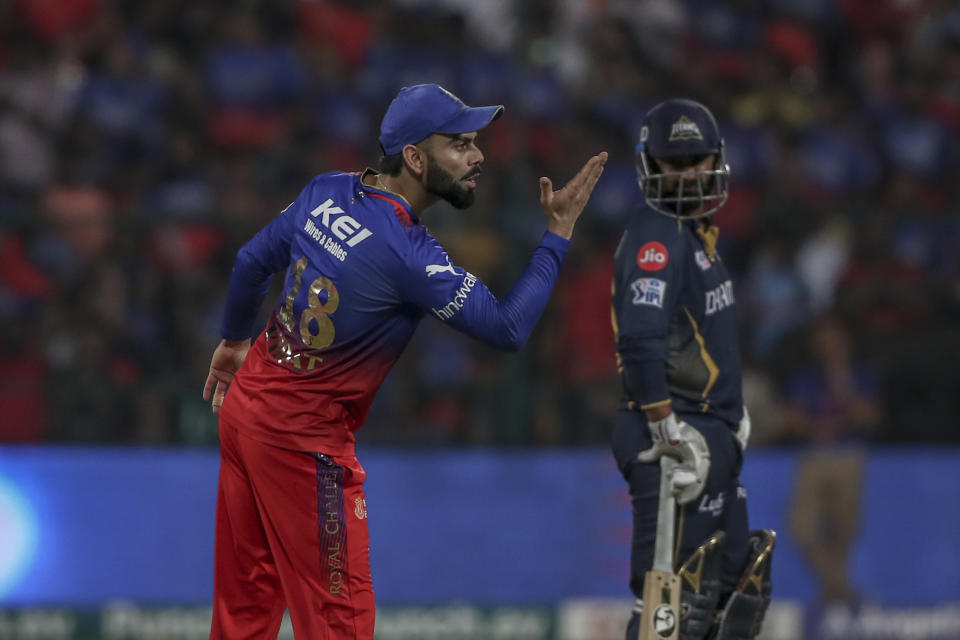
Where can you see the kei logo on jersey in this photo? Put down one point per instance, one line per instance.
(343, 226)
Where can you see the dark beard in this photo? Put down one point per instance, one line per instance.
(694, 202)
(442, 184)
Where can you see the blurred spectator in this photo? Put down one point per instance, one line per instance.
(832, 406)
(252, 85)
(37, 96)
(883, 295)
(776, 299)
(24, 385)
(821, 260)
(579, 347)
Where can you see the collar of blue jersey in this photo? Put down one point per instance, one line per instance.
(399, 201)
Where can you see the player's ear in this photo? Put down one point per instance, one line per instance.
(416, 160)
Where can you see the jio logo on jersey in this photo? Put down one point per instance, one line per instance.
(652, 256)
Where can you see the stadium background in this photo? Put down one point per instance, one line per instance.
(141, 142)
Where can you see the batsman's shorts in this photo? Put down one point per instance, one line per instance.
(291, 532)
(722, 505)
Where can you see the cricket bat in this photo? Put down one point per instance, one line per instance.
(660, 619)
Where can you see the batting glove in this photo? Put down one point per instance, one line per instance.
(677, 439)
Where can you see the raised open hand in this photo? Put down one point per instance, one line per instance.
(562, 208)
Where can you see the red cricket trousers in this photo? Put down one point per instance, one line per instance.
(291, 533)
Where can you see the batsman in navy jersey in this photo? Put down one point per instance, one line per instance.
(361, 273)
(674, 315)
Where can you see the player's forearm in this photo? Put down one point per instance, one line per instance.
(645, 374)
(266, 253)
(525, 303)
(507, 323)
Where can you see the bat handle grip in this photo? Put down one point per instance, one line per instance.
(666, 514)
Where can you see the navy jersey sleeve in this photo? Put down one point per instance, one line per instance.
(455, 296)
(650, 273)
(265, 254)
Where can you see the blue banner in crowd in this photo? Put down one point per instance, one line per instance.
(81, 526)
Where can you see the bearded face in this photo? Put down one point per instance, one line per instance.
(686, 192)
(685, 186)
(443, 184)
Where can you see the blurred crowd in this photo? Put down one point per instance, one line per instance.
(143, 141)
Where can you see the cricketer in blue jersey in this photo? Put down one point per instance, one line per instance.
(362, 272)
(674, 315)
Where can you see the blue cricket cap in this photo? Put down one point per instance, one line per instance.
(424, 109)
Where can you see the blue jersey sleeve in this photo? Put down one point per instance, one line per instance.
(650, 270)
(265, 254)
(451, 294)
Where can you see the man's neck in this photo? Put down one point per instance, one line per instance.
(405, 186)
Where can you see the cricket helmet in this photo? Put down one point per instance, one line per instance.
(682, 128)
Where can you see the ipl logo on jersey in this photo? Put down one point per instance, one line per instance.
(649, 292)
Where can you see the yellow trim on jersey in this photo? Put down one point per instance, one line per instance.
(712, 368)
(709, 234)
(613, 311)
(615, 324)
(658, 403)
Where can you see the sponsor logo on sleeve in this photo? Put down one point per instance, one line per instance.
(460, 296)
(434, 269)
(649, 292)
(702, 260)
(653, 256)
